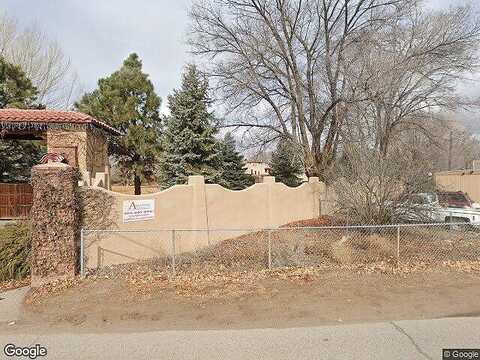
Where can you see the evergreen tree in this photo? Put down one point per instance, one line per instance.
(233, 168)
(286, 165)
(17, 156)
(16, 90)
(189, 145)
(127, 101)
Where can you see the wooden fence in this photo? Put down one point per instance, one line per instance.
(15, 201)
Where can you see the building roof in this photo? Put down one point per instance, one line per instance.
(45, 117)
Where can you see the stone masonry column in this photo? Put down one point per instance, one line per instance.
(55, 223)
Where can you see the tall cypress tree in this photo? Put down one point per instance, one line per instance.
(127, 101)
(189, 145)
(233, 175)
(286, 165)
(17, 156)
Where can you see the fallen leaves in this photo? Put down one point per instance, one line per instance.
(205, 284)
(14, 284)
(219, 283)
(36, 295)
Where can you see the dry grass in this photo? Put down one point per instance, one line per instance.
(350, 249)
(15, 247)
(14, 284)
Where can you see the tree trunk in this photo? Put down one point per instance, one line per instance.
(138, 184)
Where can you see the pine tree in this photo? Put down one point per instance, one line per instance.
(189, 145)
(16, 90)
(286, 166)
(233, 168)
(17, 156)
(127, 101)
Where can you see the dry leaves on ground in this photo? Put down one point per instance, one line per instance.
(205, 284)
(14, 284)
(220, 283)
(48, 290)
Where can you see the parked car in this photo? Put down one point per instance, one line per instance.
(444, 207)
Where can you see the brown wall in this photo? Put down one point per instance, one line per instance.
(209, 208)
(466, 181)
(70, 142)
(88, 147)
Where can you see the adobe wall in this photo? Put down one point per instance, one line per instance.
(70, 142)
(206, 208)
(87, 148)
(466, 181)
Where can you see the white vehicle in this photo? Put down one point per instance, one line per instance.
(453, 207)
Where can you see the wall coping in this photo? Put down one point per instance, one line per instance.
(198, 180)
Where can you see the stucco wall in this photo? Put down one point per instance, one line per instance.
(466, 181)
(62, 140)
(206, 208)
(90, 149)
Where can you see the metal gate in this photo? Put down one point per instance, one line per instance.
(15, 201)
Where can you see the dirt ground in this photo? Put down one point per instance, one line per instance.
(278, 299)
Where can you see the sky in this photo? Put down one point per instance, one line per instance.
(97, 35)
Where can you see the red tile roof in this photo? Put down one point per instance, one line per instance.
(52, 117)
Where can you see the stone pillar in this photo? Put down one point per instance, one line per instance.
(55, 223)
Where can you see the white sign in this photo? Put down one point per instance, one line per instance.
(138, 210)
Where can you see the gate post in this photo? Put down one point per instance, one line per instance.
(55, 223)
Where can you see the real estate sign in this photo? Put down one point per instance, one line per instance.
(138, 210)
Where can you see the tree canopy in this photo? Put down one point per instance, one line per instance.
(189, 145)
(286, 164)
(233, 175)
(325, 73)
(16, 90)
(18, 156)
(127, 101)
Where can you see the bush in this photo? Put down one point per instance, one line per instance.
(372, 188)
(15, 247)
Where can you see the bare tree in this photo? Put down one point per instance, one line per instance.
(408, 72)
(371, 188)
(43, 61)
(325, 72)
(280, 65)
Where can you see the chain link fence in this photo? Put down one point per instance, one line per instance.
(330, 247)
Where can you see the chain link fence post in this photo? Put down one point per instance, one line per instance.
(398, 245)
(174, 272)
(269, 249)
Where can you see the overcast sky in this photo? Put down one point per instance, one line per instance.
(98, 34)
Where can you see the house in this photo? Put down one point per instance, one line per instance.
(77, 139)
(258, 170)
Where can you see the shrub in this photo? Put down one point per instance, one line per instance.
(15, 246)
